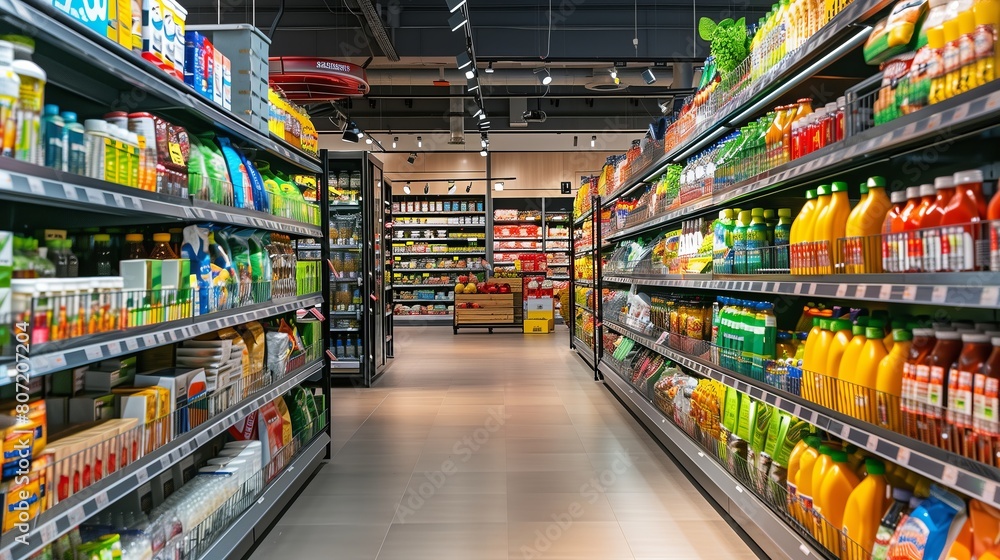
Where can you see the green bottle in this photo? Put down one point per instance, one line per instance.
(740, 242)
(756, 241)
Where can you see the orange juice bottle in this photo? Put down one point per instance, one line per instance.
(792, 473)
(812, 367)
(853, 244)
(868, 225)
(863, 512)
(831, 367)
(831, 228)
(849, 361)
(811, 234)
(987, 14)
(834, 491)
(803, 482)
(867, 374)
(822, 465)
(795, 237)
(819, 470)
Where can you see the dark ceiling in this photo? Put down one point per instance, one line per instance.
(587, 38)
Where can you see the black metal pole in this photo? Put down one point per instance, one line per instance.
(324, 243)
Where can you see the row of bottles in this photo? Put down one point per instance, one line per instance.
(752, 241)
(88, 254)
(347, 347)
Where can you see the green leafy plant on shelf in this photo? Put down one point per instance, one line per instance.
(730, 42)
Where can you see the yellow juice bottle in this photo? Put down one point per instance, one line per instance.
(791, 475)
(810, 233)
(831, 228)
(831, 368)
(867, 374)
(863, 512)
(812, 367)
(889, 381)
(845, 373)
(820, 468)
(952, 58)
(867, 226)
(936, 42)
(799, 227)
(834, 491)
(966, 47)
(803, 482)
(987, 16)
(853, 243)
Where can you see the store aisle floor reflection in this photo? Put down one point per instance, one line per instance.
(494, 446)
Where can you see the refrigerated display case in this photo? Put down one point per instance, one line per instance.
(360, 329)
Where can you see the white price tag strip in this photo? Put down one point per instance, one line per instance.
(903, 456)
(859, 291)
(909, 293)
(59, 361)
(70, 192)
(142, 476)
(101, 500)
(76, 516)
(115, 347)
(885, 291)
(149, 340)
(7, 184)
(48, 532)
(939, 294)
(94, 353)
(872, 443)
(95, 197)
(841, 290)
(989, 296)
(132, 344)
(36, 186)
(950, 475)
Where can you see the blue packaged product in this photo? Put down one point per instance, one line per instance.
(74, 152)
(925, 532)
(199, 60)
(195, 248)
(52, 137)
(260, 202)
(242, 196)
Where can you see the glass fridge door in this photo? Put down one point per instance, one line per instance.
(377, 347)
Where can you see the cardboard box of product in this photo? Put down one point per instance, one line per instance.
(199, 63)
(538, 304)
(91, 407)
(163, 24)
(538, 326)
(68, 382)
(176, 381)
(544, 315)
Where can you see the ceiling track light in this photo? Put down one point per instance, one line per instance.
(351, 133)
(427, 188)
(543, 75)
(406, 188)
(468, 189)
(473, 85)
(394, 140)
(451, 187)
(483, 153)
(361, 133)
(464, 60)
(479, 112)
(454, 5)
(489, 68)
(614, 74)
(498, 186)
(482, 116)
(368, 140)
(457, 21)
(420, 142)
(593, 140)
(648, 76)
(471, 73)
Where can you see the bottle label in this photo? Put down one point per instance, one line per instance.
(951, 56)
(984, 39)
(986, 401)
(935, 387)
(921, 378)
(934, 64)
(960, 394)
(966, 50)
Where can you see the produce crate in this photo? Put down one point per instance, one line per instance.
(494, 310)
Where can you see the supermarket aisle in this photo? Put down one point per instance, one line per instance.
(494, 447)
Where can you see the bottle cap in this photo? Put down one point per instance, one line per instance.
(947, 335)
(858, 329)
(96, 126)
(768, 214)
(876, 181)
(839, 186)
(757, 213)
(825, 449)
(6, 53)
(161, 237)
(912, 192)
(726, 214)
(101, 237)
(945, 182)
(50, 110)
(968, 176)
(831, 107)
(839, 456)
(995, 341)
(975, 338)
(784, 212)
(898, 197)
(840, 325)
(874, 466)
(927, 190)
(863, 188)
(874, 332)
(817, 322)
(20, 43)
(825, 324)
(69, 116)
(810, 194)
(133, 238)
(823, 190)
(901, 335)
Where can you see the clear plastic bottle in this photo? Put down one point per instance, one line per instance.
(10, 90)
(72, 262)
(57, 255)
(102, 254)
(161, 247)
(134, 248)
(95, 137)
(28, 117)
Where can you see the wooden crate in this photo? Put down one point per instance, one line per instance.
(486, 300)
(483, 317)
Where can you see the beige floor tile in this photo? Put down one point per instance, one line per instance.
(567, 538)
(549, 506)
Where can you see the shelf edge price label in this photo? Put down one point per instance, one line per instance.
(950, 475)
(989, 296)
(859, 291)
(940, 294)
(76, 516)
(48, 532)
(94, 353)
(872, 443)
(7, 184)
(36, 186)
(841, 290)
(142, 476)
(132, 344)
(101, 499)
(903, 456)
(909, 293)
(885, 291)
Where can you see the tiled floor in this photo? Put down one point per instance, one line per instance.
(477, 447)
